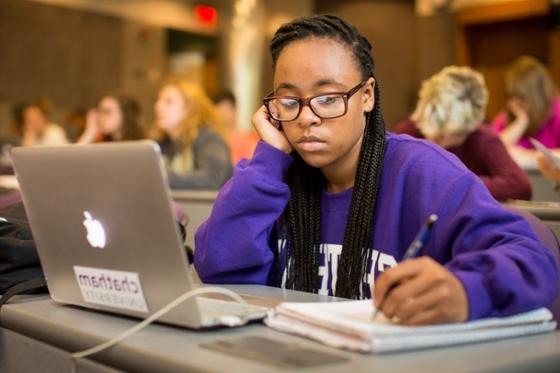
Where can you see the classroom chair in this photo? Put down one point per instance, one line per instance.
(548, 238)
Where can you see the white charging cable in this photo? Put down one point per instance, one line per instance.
(156, 315)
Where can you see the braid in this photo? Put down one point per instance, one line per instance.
(358, 235)
(303, 212)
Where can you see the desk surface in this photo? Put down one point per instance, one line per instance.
(166, 348)
(194, 195)
(544, 210)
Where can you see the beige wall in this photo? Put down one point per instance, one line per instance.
(247, 71)
(277, 13)
(143, 64)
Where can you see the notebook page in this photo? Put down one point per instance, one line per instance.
(414, 342)
(392, 343)
(355, 317)
(349, 325)
(318, 333)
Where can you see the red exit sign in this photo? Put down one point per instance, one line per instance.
(206, 14)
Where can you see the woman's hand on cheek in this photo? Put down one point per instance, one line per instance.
(520, 113)
(421, 291)
(269, 132)
(92, 123)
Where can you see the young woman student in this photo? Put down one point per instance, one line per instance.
(533, 110)
(330, 202)
(117, 117)
(190, 133)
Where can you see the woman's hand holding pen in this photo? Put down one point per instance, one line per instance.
(421, 291)
(269, 132)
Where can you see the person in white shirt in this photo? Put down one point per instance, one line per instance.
(37, 130)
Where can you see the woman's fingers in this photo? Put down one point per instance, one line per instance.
(269, 131)
(398, 301)
(421, 291)
(392, 277)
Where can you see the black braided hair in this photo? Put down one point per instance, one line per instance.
(303, 212)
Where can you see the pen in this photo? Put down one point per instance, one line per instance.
(414, 248)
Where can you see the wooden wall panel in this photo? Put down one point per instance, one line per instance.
(491, 36)
(71, 57)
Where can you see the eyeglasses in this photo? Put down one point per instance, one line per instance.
(325, 106)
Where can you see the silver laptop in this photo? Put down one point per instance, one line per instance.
(106, 234)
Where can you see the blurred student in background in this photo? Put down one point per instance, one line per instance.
(13, 135)
(191, 136)
(11, 138)
(450, 112)
(533, 110)
(36, 129)
(75, 123)
(116, 118)
(242, 142)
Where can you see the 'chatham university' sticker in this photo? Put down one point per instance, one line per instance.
(111, 288)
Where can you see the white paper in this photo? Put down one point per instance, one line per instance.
(350, 325)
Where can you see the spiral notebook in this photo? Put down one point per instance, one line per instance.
(349, 325)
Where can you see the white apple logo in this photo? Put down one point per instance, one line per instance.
(95, 232)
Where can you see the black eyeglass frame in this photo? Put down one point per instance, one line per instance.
(307, 102)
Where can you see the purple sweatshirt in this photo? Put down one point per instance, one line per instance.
(502, 265)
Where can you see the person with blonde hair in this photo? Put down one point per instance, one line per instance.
(533, 110)
(450, 113)
(191, 136)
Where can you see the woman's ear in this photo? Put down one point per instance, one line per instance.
(368, 96)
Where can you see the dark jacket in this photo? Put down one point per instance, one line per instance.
(211, 158)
